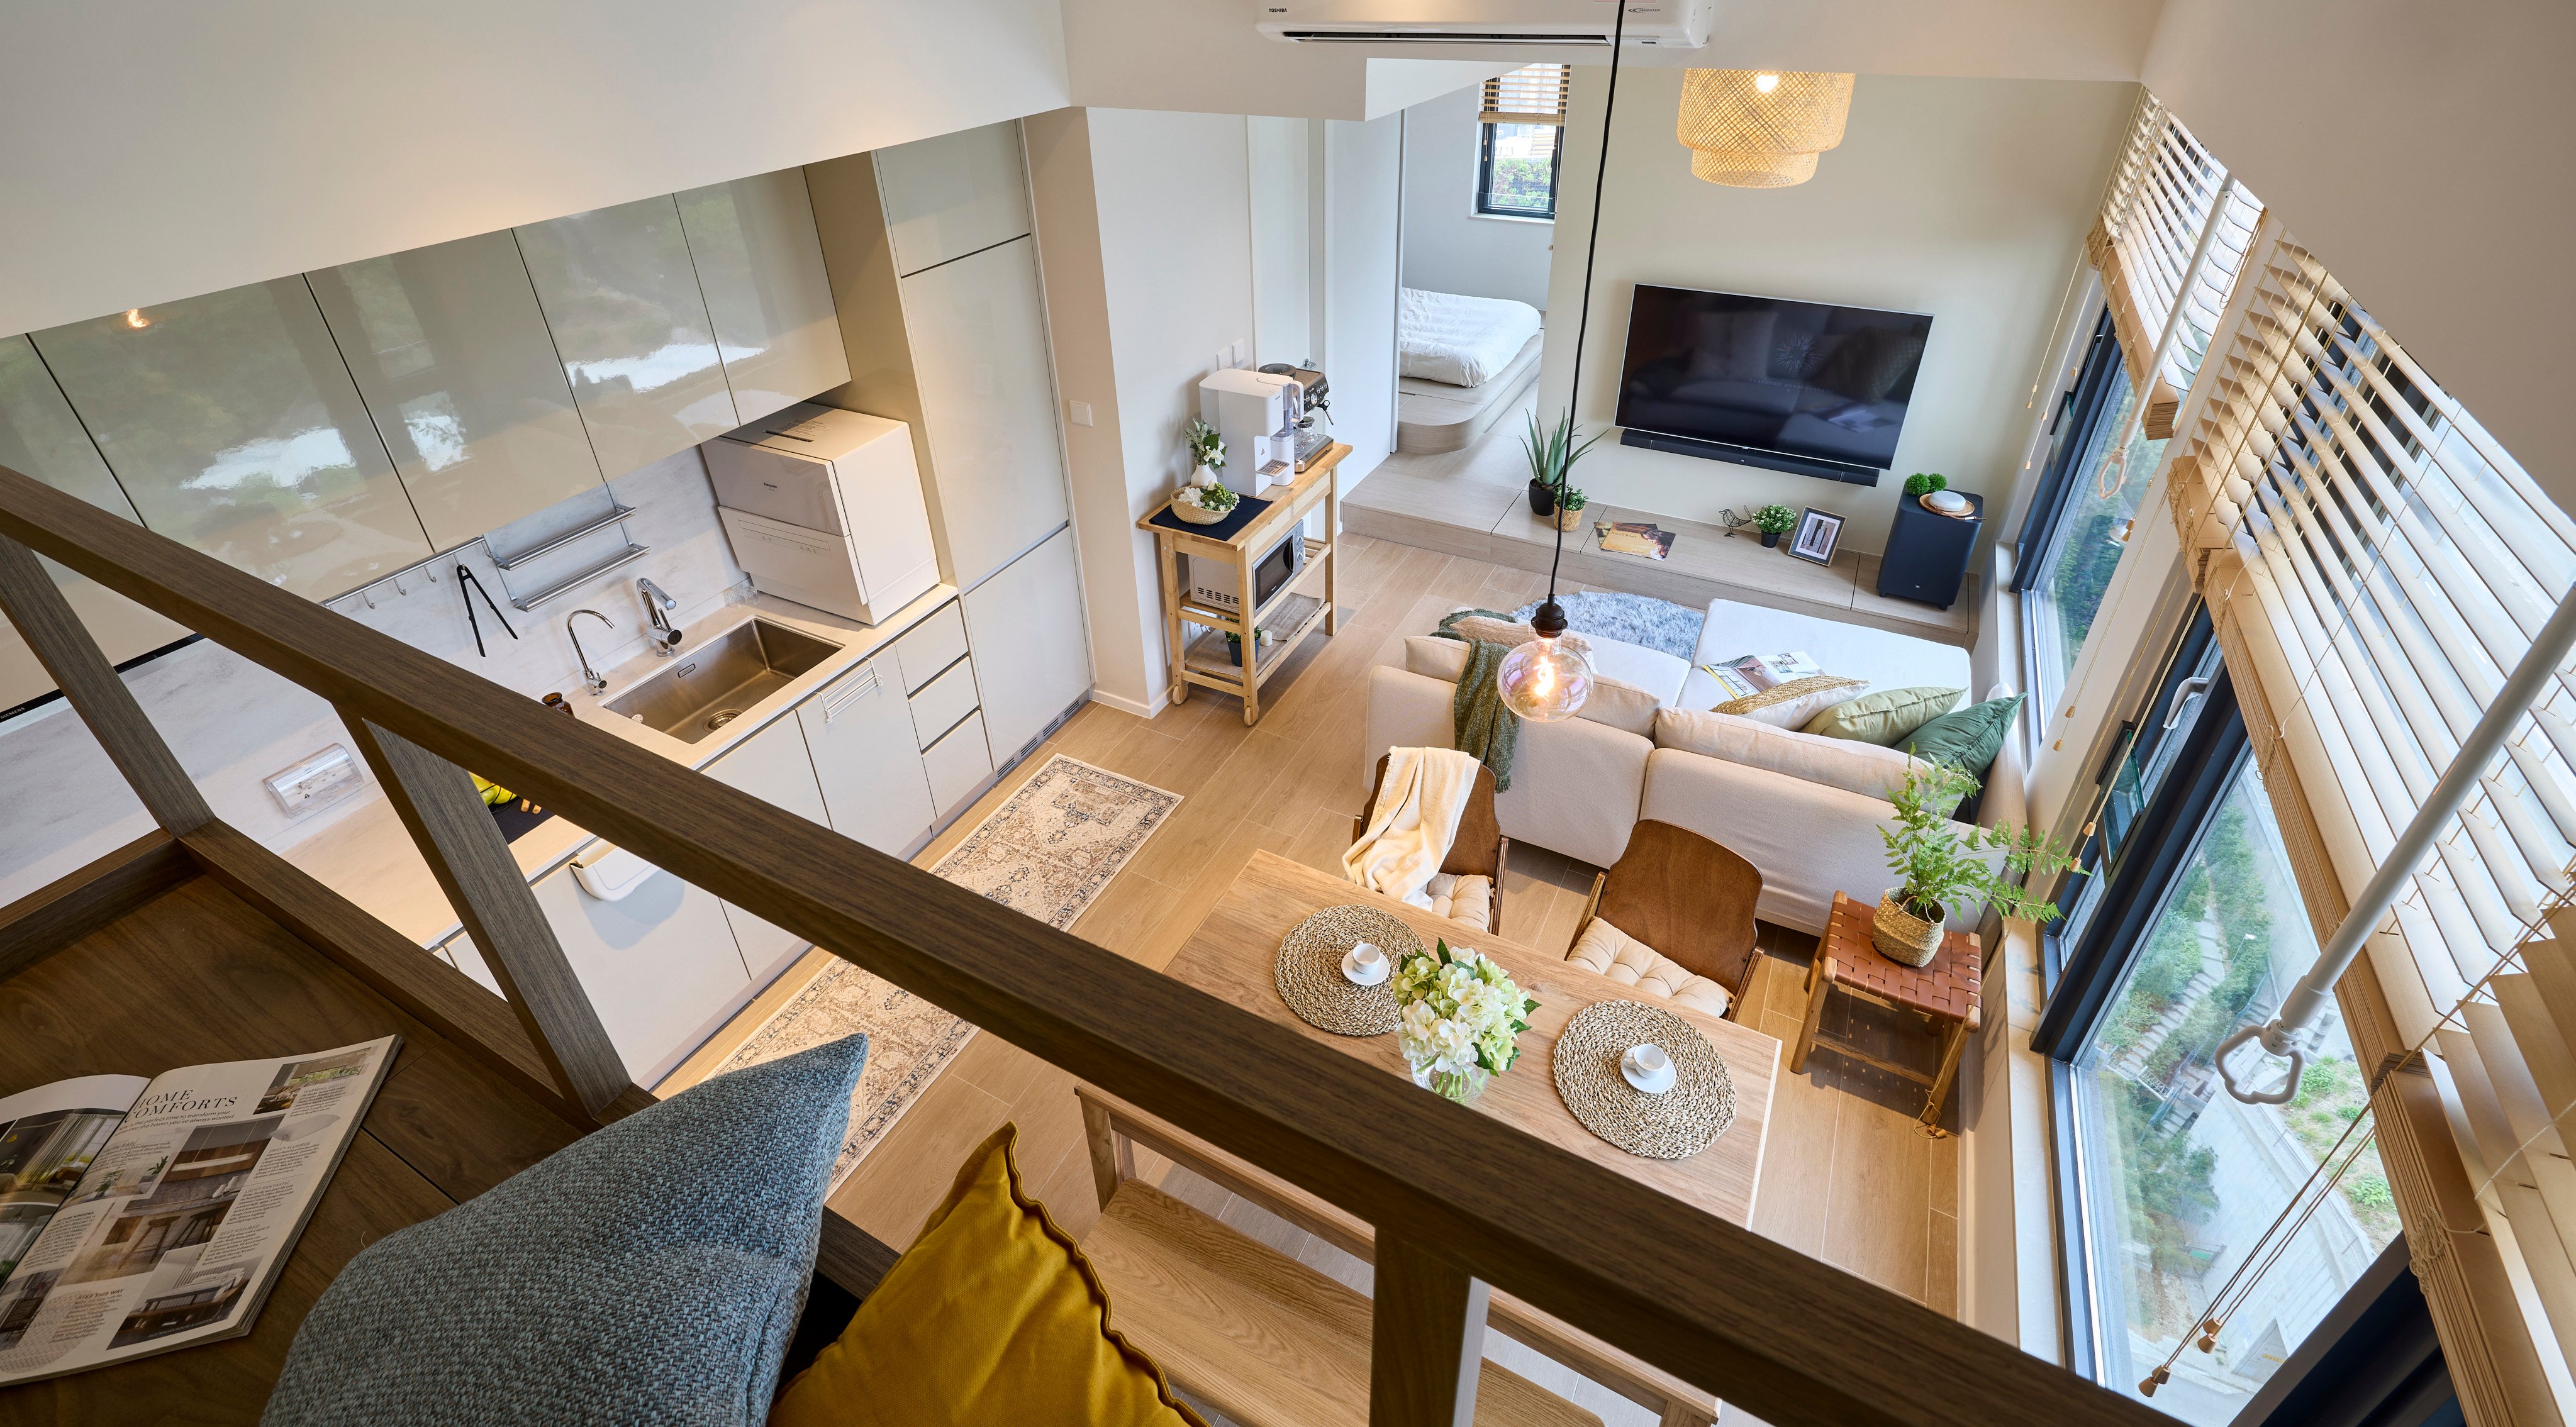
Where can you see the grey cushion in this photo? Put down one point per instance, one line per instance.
(651, 1272)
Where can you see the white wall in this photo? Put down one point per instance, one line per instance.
(1448, 245)
(1284, 250)
(1964, 198)
(1364, 236)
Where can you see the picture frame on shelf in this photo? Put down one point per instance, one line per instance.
(1819, 531)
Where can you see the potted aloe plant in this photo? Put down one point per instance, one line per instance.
(1774, 521)
(1939, 871)
(1552, 452)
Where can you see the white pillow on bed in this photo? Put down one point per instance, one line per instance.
(1464, 341)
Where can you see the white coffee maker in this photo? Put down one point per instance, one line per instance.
(1255, 414)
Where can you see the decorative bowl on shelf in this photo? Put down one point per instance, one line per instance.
(1185, 504)
(1949, 503)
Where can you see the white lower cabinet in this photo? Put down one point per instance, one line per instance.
(1032, 657)
(861, 736)
(659, 963)
(773, 766)
(957, 764)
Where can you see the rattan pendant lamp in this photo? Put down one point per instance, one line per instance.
(1761, 128)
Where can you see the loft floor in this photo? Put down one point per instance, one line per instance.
(1847, 1176)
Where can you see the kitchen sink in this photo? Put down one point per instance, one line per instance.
(723, 679)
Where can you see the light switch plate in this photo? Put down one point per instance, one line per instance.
(1078, 412)
(317, 782)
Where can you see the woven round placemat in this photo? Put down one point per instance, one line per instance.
(1674, 1125)
(1309, 970)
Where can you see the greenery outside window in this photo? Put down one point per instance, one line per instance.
(2078, 529)
(1520, 123)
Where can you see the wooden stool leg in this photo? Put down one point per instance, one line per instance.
(1952, 1045)
(1819, 981)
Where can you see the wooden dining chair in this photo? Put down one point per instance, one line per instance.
(1685, 896)
(1478, 850)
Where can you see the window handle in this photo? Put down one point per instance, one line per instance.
(2187, 689)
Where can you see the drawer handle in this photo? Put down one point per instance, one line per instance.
(864, 684)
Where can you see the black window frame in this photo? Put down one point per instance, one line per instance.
(1485, 179)
(2079, 409)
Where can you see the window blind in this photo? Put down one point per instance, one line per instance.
(2382, 564)
(1534, 94)
(2163, 192)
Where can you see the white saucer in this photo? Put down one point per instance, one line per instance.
(1656, 1085)
(1352, 973)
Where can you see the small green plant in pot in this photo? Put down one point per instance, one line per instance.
(1774, 521)
(1923, 483)
(1552, 452)
(1940, 872)
(1569, 508)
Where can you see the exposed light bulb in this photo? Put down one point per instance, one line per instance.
(135, 319)
(1545, 680)
(1765, 83)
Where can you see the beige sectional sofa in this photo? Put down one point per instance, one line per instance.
(1804, 809)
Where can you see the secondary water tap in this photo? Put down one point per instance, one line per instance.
(598, 681)
(666, 635)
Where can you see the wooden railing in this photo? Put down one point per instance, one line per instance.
(1459, 1200)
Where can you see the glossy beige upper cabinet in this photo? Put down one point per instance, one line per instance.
(231, 423)
(452, 356)
(761, 267)
(953, 195)
(623, 303)
(979, 352)
(40, 437)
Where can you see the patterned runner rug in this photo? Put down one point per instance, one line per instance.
(1049, 852)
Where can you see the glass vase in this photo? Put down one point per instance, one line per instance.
(1461, 1086)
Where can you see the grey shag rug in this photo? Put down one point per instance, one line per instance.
(1631, 619)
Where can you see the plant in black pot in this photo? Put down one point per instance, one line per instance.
(1774, 521)
(1940, 872)
(1552, 452)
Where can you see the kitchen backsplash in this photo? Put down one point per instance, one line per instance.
(233, 723)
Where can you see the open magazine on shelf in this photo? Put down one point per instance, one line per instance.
(139, 1216)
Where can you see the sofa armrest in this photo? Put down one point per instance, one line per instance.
(1574, 784)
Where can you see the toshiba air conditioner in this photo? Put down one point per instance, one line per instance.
(1671, 24)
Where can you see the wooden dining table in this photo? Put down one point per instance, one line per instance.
(1232, 953)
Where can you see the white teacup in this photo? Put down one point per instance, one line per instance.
(1365, 965)
(1647, 1068)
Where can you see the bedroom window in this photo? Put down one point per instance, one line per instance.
(1520, 119)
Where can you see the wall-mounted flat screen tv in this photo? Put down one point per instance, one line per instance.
(1801, 379)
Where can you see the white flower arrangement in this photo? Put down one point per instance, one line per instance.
(1211, 497)
(1462, 1019)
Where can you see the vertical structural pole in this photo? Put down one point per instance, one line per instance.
(1427, 1339)
(63, 644)
(482, 880)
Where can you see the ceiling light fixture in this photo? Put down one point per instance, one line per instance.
(1761, 128)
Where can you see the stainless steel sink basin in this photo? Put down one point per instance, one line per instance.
(705, 689)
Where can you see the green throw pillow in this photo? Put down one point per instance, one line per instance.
(1968, 739)
(1884, 717)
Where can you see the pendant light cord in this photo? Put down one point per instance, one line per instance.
(1583, 308)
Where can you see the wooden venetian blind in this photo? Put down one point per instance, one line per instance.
(2164, 191)
(2379, 565)
(1534, 94)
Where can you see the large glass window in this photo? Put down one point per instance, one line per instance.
(2176, 1180)
(2081, 521)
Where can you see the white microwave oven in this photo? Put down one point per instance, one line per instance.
(1212, 581)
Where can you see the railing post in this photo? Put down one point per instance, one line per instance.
(1427, 1339)
(64, 645)
(483, 882)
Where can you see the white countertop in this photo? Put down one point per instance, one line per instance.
(366, 855)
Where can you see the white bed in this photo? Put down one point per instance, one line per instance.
(1458, 376)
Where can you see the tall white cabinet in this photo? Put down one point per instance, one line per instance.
(978, 333)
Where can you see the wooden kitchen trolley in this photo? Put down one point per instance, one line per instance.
(1292, 612)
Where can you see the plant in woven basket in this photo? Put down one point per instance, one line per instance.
(1462, 1019)
(1219, 499)
(1939, 871)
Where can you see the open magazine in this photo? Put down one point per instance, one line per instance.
(139, 1216)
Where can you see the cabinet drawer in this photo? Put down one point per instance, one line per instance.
(946, 699)
(931, 646)
(957, 763)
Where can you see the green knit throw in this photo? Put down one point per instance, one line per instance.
(1485, 726)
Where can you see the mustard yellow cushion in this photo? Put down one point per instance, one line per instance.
(992, 1319)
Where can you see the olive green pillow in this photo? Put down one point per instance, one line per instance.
(1968, 739)
(1884, 717)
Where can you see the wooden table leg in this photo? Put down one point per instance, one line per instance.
(1172, 628)
(1952, 1045)
(1251, 636)
(1819, 981)
(1333, 551)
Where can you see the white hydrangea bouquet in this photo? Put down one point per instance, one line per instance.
(1462, 1019)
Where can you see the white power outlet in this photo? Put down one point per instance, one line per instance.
(317, 782)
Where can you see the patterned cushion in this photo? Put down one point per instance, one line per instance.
(650, 1272)
(1604, 950)
(1792, 704)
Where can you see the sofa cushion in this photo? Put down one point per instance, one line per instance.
(1793, 704)
(1618, 701)
(1604, 950)
(1834, 762)
(1885, 717)
(993, 1315)
(1968, 739)
(1887, 659)
(1468, 898)
(1435, 656)
(649, 1272)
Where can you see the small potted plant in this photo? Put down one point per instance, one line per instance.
(1207, 453)
(1204, 505)
(1939, 871)
(1774, 521)
(1462, 1020)
(1552, 452)
(1569, 508)
(1924, 483)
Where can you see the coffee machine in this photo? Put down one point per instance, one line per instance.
(1255, 413)
(1314, 398)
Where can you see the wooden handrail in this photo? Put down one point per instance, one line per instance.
(1789, 1338)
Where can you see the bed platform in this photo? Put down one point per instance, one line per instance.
(1431, 416)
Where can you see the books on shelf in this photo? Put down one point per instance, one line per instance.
(139, 1216)
(1635, 537)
